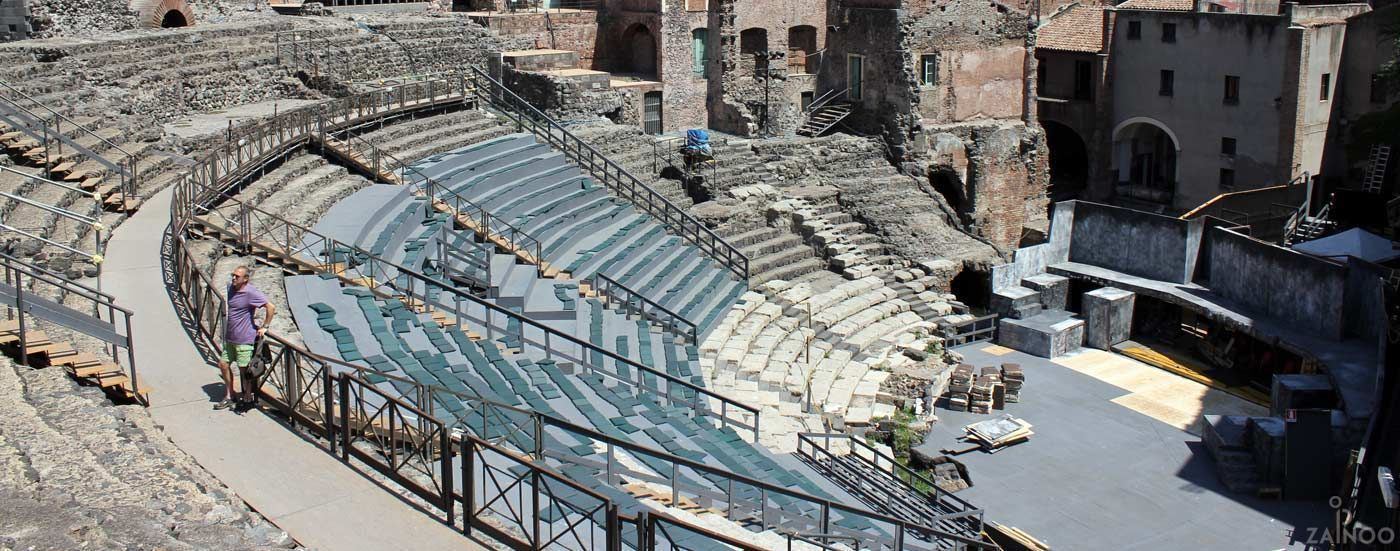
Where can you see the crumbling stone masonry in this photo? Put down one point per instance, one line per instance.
(944, 82)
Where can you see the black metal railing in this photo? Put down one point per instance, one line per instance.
(607, 172)
(634, 302)
(51, 129)
(952, 515)
(471, 215)
(24, 294)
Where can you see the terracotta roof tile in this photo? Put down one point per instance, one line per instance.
(1078, 28)
(1160, 5)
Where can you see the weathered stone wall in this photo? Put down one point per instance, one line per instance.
(566, 99)
(980, 47)
(744, 92)
(684, 96)
(994, 174)
(577, 31)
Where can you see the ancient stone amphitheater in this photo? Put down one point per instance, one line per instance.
(515, 325)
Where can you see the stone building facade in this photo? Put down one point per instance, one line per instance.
(943, 82)
(1177, 101)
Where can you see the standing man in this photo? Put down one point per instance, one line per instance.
(240, 333)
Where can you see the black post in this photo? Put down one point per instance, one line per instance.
(468, 483)
(448, 503)
(344, 418)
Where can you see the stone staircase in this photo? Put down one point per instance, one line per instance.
(846, 245)
(107, 474)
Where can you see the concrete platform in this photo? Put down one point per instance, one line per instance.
(1102, 472)
(1049, 334)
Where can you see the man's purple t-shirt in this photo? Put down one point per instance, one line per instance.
(241, 305)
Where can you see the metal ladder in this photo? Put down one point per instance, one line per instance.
(1375, 168)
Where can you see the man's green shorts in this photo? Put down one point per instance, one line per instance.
(238, 354)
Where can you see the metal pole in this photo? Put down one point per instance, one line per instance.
(19, 310)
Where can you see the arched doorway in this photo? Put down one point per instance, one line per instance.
(753, 45)
(640, 56)
(1145, 154)
(802, 43)
(172, 19)
(1069, 161)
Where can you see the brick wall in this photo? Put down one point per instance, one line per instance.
(577, 31)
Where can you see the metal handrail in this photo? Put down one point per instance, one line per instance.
(967, 512)
(436, 191)
(938, 493)
(128, 173)
(609, 173)
(97, 245)
(67, 288)
(830, 96)
(637, 303)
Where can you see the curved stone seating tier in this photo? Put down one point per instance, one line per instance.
(787, 342)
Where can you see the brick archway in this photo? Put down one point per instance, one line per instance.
(152, 14)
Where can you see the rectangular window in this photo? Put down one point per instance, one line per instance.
(1168, 32)
(1326, 87)
(1042, 73)
(1166, 83)
(1232, 89)
(807, 100)
(928, 69)
(1134, 30)
(699, 40)
(1227, 178)
(855, 75)
(1378, 89)
(1083, 80)
(1227, 146)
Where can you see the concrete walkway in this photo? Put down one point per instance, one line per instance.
(304, 490)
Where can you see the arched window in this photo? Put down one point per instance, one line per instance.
(699, 40)
(753, 44)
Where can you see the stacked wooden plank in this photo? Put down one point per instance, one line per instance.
(984, 389)
(1013, 377)
(959, 387)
